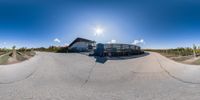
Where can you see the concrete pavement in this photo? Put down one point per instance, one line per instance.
(51, 76)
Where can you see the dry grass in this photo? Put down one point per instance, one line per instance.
(1, 53)
(21, 56)
(183, 59)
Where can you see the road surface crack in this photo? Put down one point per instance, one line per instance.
(89, 75)
(172, 76)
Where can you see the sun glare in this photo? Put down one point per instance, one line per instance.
(98, 31)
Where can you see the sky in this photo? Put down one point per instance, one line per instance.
(149, 23)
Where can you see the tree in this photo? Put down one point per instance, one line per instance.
(194, 50)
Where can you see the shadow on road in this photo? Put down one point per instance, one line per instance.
(103, 60)
(128, 57)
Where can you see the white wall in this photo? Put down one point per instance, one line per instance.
(81, 45)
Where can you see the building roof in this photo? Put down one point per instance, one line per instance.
(121, 44)
(81, 40)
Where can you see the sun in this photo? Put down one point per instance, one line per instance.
(98, 31)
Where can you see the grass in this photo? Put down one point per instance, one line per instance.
(4, 58)
(21, 56)
(182, 55)
(183, 59)
(1, 53)
(197, 62)
(177, 58)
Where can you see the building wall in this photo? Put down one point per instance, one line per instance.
(81, 46)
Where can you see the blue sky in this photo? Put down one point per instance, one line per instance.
(155, 23)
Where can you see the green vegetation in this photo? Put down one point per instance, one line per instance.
(9, 56)
(195, 51)
(3, 51)
(56, 49)
(53, 49)
(184, 55)
(4, 58)
(175, 52)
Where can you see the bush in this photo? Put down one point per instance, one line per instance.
(53, 49)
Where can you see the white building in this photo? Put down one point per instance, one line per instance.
(82, 45)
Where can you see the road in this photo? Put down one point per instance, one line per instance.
(51, 76)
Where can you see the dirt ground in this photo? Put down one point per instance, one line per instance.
(184, 59)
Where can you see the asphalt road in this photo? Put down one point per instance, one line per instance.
(51, 76)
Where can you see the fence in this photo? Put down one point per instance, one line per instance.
(117, 49)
